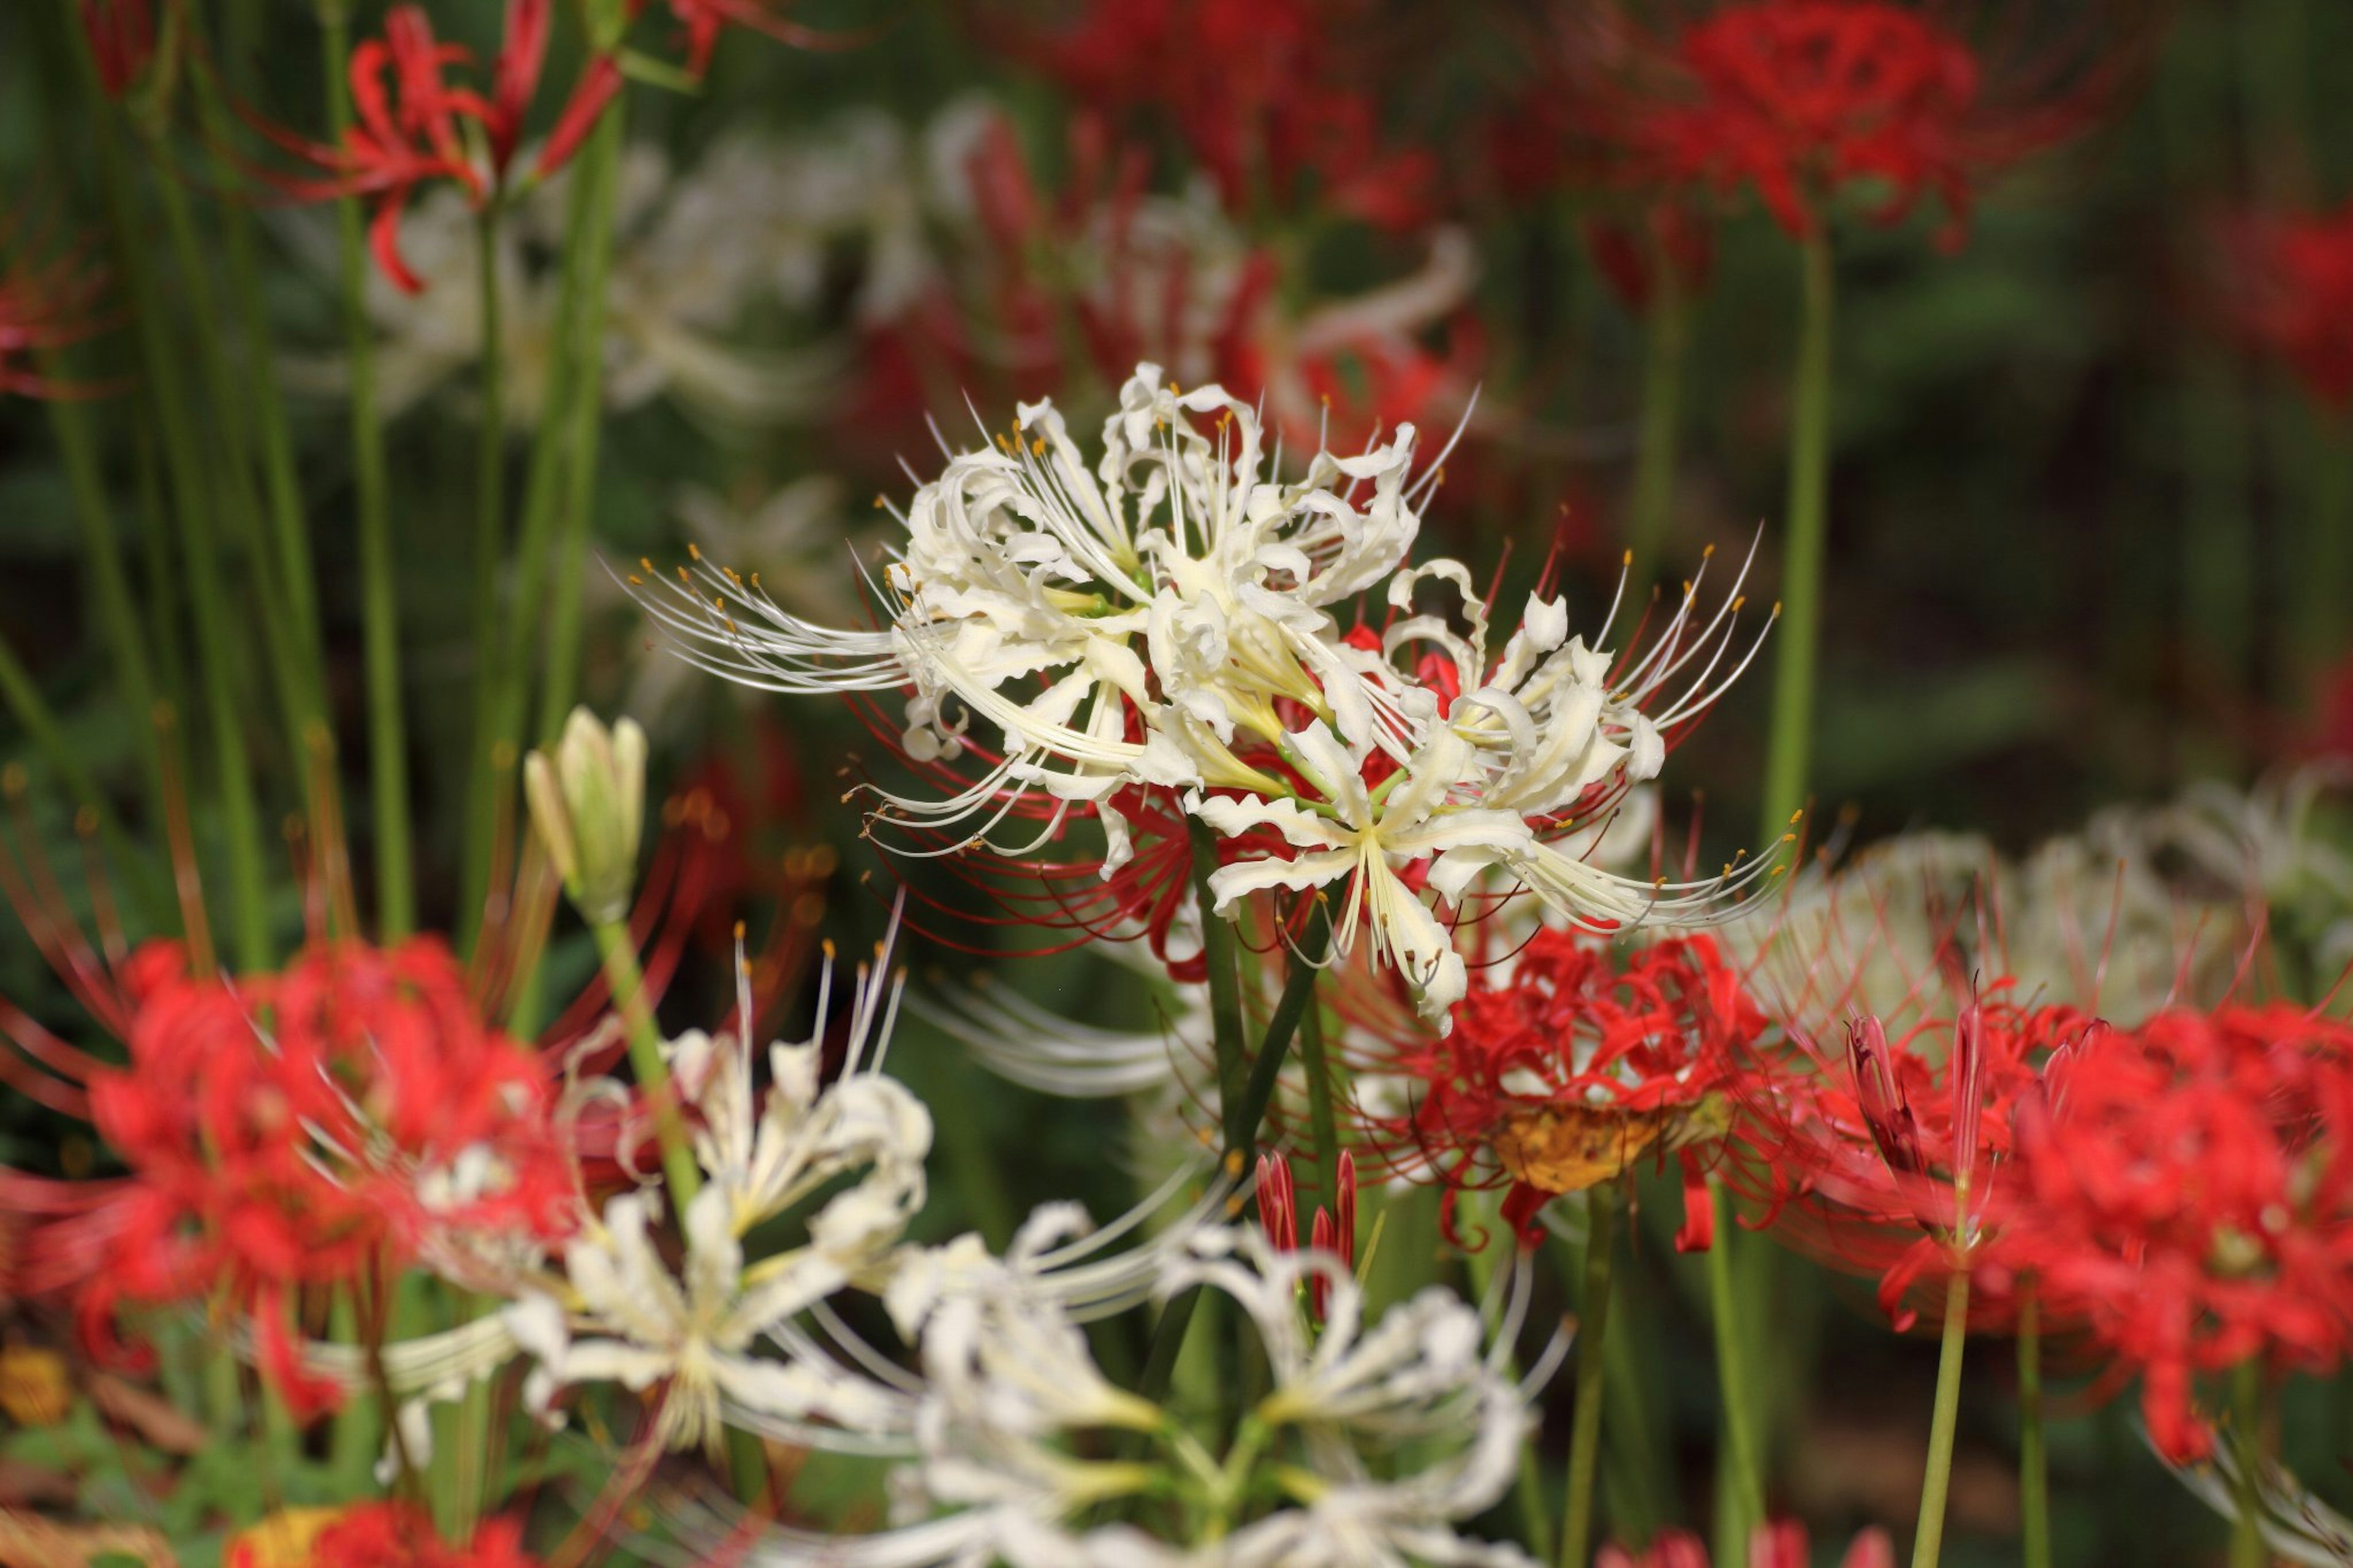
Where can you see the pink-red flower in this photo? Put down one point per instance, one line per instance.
(314, 1127)
(1800, 101)
(1565, 1066)
(50, 298)
(121, 37)
(414, 126)
(2290, 290)
(373, 1535)
(1779, 1545)
(2187, 1194)
(1265, 94)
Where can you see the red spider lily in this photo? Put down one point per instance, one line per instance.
(49, 300)
(1799, 100)
(381, 1535)
(353, 1160)
(1890, 1161)
(1779, 1545)
(414, 127)
(337, 1105)
(1333, 1231)
(2290, 290)
(2187, 1196)
(1091, 278)
(1564, 1068)
(1261, 92)
(122, 37)
(702, 21)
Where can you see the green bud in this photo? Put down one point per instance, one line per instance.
(588, 805)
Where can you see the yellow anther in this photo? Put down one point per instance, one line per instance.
(1037, 446)
(694, 550)
(1707, 553)
(646, 562)
(636, 580)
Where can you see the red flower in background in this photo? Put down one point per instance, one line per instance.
(702, 21)
(2290, 290)
(375, 1536)
(1779, 1545)
(1262, 92)
(49, 300)
(122, 37)
(317, 1126)
(414, 127)
(1889, 1159)
(2188, 1196)
(1565, 1068)
(1797, 100)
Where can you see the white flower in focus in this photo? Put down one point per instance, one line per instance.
(1162, 625)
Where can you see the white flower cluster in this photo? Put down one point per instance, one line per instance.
(1372, 1443)
(1166, 619)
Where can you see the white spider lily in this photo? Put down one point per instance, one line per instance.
(1374, 1443)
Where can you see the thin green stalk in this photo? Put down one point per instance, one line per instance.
(258, 388)
(1808, 522)
(1242, 1106)
(2247, 1547)
(1225, 982)
(1527, 1492)
(490, 457)
(294, 675)
(502, 672)
(21, 696)
(2033, 1470)
(1322, 1124)
(628, 986)
(1741, 1477)
(192, 506)
(1592, 1333)
(70, 421)
(587, 392)
(395, 861)
(1650, 507)
(1927, 1543)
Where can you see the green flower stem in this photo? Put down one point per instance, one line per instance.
(586, 394)
(1742, 1477)
(2247, 1547)
(21, 696)
(2033, 1470)
(1928, 1540)
(257, 390)
(294, 677)
(1592, 1337)
(192, 502)
(1225, 982)
(1527, 1492)
(70, 421)
(1321, 1121)
(395, 871)
(1808, 526)
(503, 671)
(1650, 507)
(628, 986)
(490, 459)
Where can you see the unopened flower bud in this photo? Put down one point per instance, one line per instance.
(589, 805)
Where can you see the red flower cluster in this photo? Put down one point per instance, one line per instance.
(2290, 283)
(1798, 100)
(1780, 1544)
(1334, 1227)
(382, 1535)
(1890, 1158)
(308, 1127)
(122, 37)
(414, 127)
(2186, 1193)
(47, 302)
(1261, 93)
(1571, 1068)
